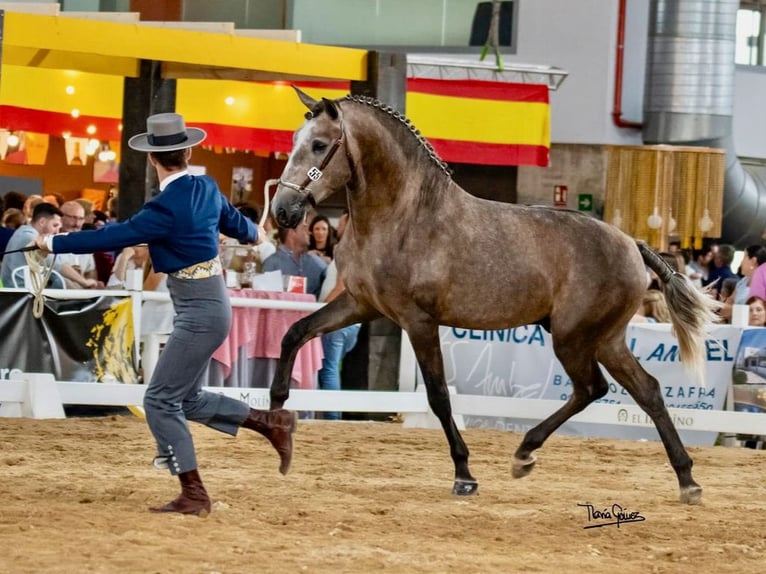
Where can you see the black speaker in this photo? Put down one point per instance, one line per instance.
(482, 18)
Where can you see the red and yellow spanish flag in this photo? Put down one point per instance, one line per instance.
(489, 123)
(467, 121)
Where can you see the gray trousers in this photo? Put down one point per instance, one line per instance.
(174, 395)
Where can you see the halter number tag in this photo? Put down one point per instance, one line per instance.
(314, 173)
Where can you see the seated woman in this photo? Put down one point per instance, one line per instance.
(130, 258)
(653, 308)
(322, 240)
(757, 316)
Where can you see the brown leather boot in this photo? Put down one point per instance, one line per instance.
(278, 426)
(193, 498)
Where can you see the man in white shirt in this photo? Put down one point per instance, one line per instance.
(72, 219)
(46, 220)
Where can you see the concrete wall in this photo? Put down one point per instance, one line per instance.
(580, 167)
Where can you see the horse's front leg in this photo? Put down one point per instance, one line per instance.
(339, 313)
(424, 337)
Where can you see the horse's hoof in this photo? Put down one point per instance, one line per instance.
(691, 494)
(522, 468)
(465, 487)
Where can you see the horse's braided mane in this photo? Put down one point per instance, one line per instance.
(407, 123)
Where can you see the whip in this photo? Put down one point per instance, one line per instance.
(21, 250)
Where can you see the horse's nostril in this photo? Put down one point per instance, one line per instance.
(282, 215)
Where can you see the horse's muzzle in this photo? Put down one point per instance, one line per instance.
(289, 208)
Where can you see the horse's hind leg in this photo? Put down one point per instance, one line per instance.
(425, 341)
(645, 390)
(588, 384)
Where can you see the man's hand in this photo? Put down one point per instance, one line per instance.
(40, 243)
(261, 235)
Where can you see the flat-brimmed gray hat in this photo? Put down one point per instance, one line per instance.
(166, 132)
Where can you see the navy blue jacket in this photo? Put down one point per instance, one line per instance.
(181, 226)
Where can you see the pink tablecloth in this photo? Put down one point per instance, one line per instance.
(261, 331)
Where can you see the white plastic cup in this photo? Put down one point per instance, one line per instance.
(232, 279)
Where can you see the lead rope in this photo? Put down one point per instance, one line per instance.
(39, 274)
(266, 186)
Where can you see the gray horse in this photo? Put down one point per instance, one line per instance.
(423, 252)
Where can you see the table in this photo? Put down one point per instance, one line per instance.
(247, 358)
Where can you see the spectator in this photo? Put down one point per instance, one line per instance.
(130, 258)
(698, 267)
(72, 220)
(87, 206)
(13, 218)
(292, 258)
(29, 206)
(53, 199)
(753, 257)
(653, 308)
(321, 242)
(99, 219)
(46, 220)
(757, 316)
(5, 232)
(14, 200)
(335, 344)
(721, 268)
(758, 280)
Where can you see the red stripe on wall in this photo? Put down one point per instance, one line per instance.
(477, 89)
(243, 138)
(490, 154)
(55, 123)
(247, 138)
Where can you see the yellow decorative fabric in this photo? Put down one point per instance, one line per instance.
(201, 270)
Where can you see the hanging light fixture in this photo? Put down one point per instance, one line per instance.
(617, 218)
(655, 219)
(13, 140)
(706, 223)
(671, 222)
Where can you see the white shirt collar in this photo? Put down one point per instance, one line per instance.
(171, 178)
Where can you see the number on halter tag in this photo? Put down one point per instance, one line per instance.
(314, 173)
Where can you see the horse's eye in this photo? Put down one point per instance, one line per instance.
(318, 146)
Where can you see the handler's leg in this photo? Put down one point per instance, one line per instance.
(209, 315)
(203, 316)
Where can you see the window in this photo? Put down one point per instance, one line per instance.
(749, 40)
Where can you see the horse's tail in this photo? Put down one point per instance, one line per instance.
(691, 311)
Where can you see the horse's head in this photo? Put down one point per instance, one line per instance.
(319, 164)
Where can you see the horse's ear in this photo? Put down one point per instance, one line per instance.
(330, 108)
(307, 100)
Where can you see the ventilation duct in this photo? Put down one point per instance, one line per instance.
(689, 100)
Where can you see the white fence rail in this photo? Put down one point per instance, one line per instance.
(39, 396)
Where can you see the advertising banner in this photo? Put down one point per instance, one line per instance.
(75, 340)
(750, 372)
(520, 363)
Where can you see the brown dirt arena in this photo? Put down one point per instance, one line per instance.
(364, 497)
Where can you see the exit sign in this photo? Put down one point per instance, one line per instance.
(585, 202)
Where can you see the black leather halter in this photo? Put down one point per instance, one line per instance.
(314, 173)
